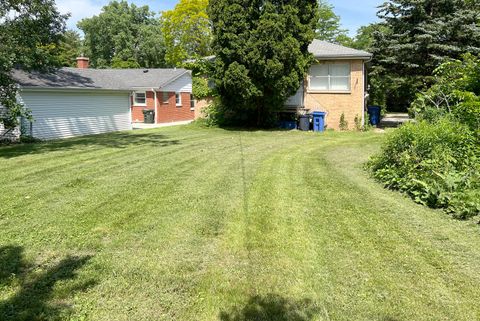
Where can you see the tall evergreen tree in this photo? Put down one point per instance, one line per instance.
(261, 49)
(418, 36)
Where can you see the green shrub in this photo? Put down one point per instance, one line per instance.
(437, 164)
(358, 123)
(343, 125)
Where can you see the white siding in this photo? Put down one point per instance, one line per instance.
(182, 84)
(67, 114)
(297, 99)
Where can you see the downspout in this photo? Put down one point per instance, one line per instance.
(130, 98)
(156, 103)
(365, 93)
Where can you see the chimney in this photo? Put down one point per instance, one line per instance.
(82, 62)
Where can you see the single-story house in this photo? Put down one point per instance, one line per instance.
(335, 84)
(80, 101)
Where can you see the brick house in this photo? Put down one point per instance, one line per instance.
(335, 84)
(78, 101)
(172, 101)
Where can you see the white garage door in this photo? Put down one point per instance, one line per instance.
(61, 115)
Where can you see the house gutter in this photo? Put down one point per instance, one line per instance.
(156, 103)
(365, 58)
(73, 89)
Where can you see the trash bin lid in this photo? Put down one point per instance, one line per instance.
(319, 113)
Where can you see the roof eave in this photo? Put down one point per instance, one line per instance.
(343, 57)
(169, 81)
(41, 88)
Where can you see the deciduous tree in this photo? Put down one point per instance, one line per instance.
(328, 26)
(123, 35)
(187, 31)
(30, 31)
(69, 48)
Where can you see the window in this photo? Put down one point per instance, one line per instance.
(140, 98)
(329, 77)
(165, 97)
(178, 99)
(192, 102)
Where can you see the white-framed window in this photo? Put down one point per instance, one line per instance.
(178, 99)
(140, 98)
(329, 77)
(165, 97)
(192, 102)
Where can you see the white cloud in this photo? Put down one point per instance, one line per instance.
(78, 10)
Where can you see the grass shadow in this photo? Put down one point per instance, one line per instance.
(110, 140)
(32, 301)
(254, 129)
(273, 307)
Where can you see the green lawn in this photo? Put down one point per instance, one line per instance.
(185, 223)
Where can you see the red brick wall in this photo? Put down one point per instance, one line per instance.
(166, 112)
(137, 111)
(169, 112)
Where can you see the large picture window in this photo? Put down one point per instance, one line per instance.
(329, 77)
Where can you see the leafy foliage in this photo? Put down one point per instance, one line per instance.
(437, 160)
(201, 71)
(437, 164)
(328, 26)
(416, 37)
(69, 48)
(30, 31)
(124, 35)
(261, 50)
(455, 92)
(187, 31)
(364, 38)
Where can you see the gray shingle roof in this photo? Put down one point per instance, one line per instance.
(323, 49)
(115, 79)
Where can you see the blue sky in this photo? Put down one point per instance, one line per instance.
(354, 13)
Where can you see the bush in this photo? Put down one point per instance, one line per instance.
(437, 164)
(358, 123)
(343, 125)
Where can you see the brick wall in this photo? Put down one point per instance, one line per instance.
(200, 105)
(167, 111)
(352, 103)
(137, 111)
(170, 112)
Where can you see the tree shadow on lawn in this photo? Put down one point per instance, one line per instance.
(255, 129)
(110, 140)
(273, 307)
(31, 301)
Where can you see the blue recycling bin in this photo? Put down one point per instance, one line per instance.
(319, 121)
(374, 114)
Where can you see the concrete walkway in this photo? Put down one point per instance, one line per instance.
(394, 119)
(147, 126)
